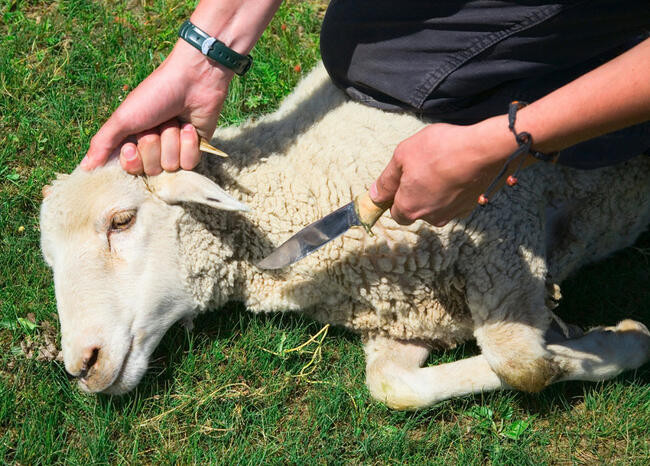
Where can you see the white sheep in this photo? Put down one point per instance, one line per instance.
(132, 255)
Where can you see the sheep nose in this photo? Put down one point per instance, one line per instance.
(90, 356)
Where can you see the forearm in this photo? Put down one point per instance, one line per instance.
(438, 173)
(613, 96)
(187, 88)
(236, 23)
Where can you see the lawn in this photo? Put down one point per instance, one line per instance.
(227, 392)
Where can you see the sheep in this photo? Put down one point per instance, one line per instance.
(133, 255)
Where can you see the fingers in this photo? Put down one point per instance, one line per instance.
(190, 155)
(130, 159)
(400, 211)
(151, 103)
(384, 189)
(143, 158)
(107, 139)
(142, 109)
(185, 86)
(170, 156)
(389, 189)
(436, 222)
(149, 150)
(438, 218)
(167, 148)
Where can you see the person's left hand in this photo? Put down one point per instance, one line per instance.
(438, 173)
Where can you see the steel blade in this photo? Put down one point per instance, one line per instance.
(311, 238)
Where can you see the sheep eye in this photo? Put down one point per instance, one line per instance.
(122, 220)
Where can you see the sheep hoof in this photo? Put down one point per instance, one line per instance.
(629, 325)
(635, 338)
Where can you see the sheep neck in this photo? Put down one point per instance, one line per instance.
(220, 249)
(345, 283)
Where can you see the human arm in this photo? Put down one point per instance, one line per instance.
(183, 96)
(438, 173)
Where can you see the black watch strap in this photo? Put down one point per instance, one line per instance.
(215, 49)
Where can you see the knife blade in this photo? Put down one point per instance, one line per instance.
(362, 211)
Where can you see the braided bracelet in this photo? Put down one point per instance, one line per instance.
(524, 143)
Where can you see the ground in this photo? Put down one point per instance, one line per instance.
(233, 391)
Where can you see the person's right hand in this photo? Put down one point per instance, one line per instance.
(438, 173)
(162, 115)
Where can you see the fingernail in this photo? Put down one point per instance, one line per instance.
(128, 152)
(373, 191)
(85, 163)
(188, 128)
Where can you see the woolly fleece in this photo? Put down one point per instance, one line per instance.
(417, 282)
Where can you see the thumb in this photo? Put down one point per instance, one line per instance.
(383, 190)
(107, 139)
(148, 105)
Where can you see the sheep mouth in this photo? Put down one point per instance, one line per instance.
(113, 387)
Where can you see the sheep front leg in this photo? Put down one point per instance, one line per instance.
(394, 375)
(603, 352)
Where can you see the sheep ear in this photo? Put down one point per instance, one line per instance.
(187, 186)
(46, 190)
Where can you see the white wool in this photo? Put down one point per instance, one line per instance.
(491, 275)
(318, 151)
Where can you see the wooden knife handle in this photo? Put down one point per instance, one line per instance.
(205, 146)
(368, 211)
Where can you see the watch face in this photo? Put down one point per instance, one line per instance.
(206, 46)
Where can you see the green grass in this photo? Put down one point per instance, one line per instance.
(219, 394)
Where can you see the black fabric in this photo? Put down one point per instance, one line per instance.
(463, 61)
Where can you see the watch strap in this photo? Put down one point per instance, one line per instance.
(215, 49)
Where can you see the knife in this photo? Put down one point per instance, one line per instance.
(362, 211)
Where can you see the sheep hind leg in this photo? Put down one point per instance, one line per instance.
(394, 375)
(527, 359)
(603, 352)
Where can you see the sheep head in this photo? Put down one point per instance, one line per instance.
(111, 240)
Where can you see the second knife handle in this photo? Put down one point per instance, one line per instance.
(368, 211)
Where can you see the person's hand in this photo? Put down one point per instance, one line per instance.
(162, 115)
(438, 173)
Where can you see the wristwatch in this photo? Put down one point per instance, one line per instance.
(215, 49)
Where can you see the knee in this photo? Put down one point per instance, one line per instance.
(518, 355)
(387, 384)
(532, 375)
(335, 46)
(390, 366)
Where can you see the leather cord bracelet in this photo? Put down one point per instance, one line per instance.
(524, 143)
(215, 49)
